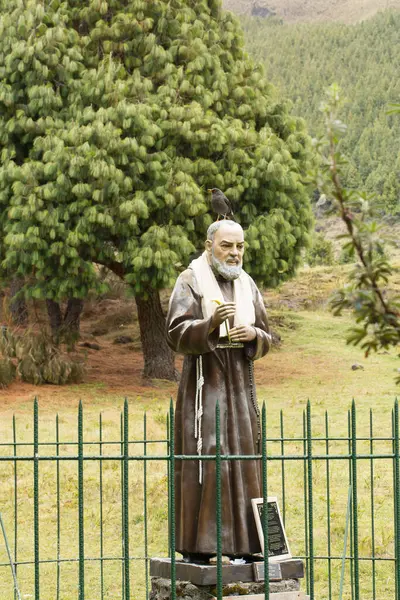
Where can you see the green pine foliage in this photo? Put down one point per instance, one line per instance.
(363, 59)
(115, 118)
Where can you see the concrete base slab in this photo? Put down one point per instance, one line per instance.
(207, 574)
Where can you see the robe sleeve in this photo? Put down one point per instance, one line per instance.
(260, 346)
(187, 331)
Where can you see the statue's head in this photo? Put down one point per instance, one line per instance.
(225, 248)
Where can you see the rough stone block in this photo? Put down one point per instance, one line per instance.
(161, 589)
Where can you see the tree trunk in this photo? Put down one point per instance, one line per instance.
(66, 328)
(72, 317)
(159, 362)
(18, 308)
(55, 317)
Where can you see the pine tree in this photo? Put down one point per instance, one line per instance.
(115, 118)
(37, 54)
(391, 194)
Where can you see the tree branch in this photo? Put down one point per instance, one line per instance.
(115, 267)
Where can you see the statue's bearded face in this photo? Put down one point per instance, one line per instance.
(226, 251)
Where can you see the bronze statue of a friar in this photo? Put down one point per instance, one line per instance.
(217, 319)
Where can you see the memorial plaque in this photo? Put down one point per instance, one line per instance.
(274, 571)
(278, 546)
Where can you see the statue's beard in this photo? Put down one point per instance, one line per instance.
(229, 272)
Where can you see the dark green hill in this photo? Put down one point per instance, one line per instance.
(302, 60)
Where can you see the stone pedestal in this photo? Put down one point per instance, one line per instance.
(282, 590)
(198, 582)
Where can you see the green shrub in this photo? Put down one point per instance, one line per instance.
(346, 255)
(39, 360)
(320, 252)
(7, 372)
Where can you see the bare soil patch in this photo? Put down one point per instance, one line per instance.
(114, 368)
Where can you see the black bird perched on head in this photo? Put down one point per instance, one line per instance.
(220, 203)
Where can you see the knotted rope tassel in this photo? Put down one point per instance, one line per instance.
(199, 412)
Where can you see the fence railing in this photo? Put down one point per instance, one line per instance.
(82, 517)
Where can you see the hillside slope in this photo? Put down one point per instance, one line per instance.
(303, 59)
(295, 11)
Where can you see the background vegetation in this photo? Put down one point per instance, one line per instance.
(302, 60)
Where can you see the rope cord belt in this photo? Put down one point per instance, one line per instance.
(198, 416)
(228, 344)
(199, 412)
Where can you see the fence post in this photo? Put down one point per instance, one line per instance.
(397, 495)
(122, 505)
(172, 498)
(81, 506)
(126, 500)
(354, 503)
(283, 468)
(351, 520)
(328, 505)
(310, 499)
(15, 496)
(371, 451)
(58, 507)
(306, 530)
(36, 495)
(218, 498)
(146, 544)
(101, 507)
(265, 498)
(168, 484)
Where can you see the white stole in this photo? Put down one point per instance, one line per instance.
(210, 291)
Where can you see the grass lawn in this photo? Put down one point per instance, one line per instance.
(313, 363)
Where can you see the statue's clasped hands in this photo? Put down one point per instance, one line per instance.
(241, 333)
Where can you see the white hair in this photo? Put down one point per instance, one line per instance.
(216, 225)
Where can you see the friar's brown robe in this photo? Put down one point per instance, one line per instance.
(227, 378)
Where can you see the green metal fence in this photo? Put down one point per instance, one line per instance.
(81, 518)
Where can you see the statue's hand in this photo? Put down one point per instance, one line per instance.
(243, 333)
(222, 312)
